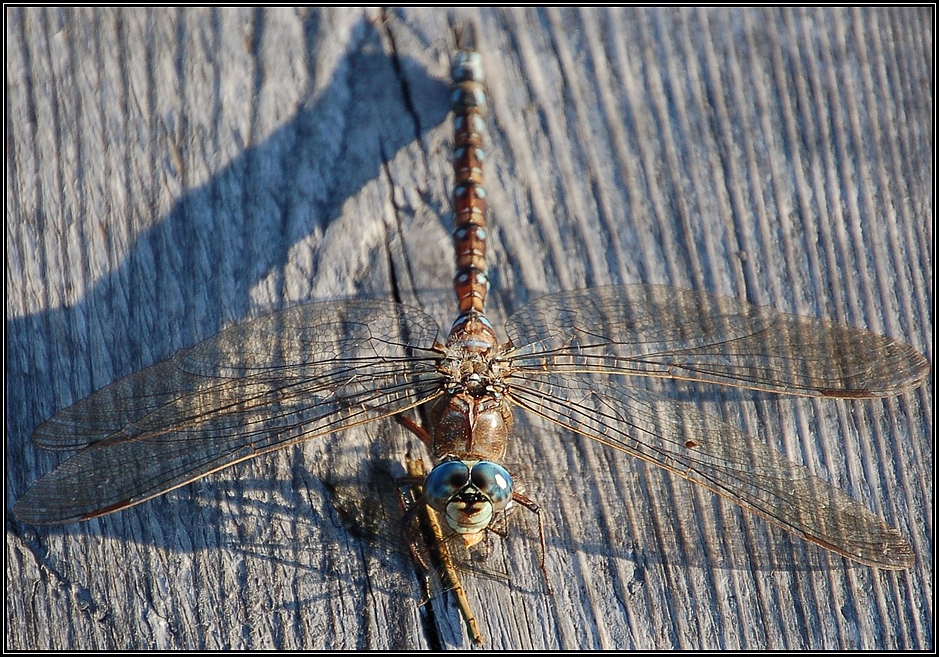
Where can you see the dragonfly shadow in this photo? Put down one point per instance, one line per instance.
(167, 292)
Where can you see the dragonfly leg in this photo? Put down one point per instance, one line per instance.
(430, 534)
(411, 504)
(415, 428)
(532, 506)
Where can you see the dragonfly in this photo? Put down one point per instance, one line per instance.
(575, 358)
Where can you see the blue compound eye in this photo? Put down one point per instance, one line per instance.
(494, 482)
(445, 481)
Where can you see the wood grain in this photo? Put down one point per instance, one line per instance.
(170, 172)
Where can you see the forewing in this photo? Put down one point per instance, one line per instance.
(666, 332)
(252, 388)
(680, 438)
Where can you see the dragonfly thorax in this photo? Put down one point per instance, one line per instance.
(477, 375)
(472, 364)
(473, 418)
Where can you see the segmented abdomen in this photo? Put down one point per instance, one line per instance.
(469, 196)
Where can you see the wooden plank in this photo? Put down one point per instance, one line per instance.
(174, 171)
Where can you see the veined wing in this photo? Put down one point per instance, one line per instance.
(703, 449)
(666, 332)
(250, 389)
(570, 348)
(678, 437)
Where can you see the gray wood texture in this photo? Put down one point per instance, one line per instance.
(170, 172)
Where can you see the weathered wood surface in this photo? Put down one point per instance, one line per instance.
(170, 172)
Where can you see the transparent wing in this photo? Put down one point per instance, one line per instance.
(252, 388)
(665, 332)
(678, 437)
(571, 349)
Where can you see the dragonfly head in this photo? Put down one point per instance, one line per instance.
(468, 493)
